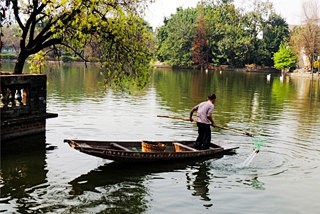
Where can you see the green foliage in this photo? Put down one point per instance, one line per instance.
(37, 62)
(53, 24)
(127, 64)
(284, 59)
(227, 37)
(176, 36)
(275, 30)
(234, 37)
(254, 22)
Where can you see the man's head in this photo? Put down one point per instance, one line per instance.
(212, 98)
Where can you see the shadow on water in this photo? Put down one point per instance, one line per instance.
(22, 167)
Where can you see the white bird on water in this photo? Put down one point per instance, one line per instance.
(268, 77)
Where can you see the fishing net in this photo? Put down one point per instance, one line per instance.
(258, 142)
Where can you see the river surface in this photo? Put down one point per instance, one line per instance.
(283, 177)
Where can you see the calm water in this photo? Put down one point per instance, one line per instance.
(282, 178)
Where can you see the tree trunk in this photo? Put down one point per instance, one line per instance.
(0, 52)
(20, 63)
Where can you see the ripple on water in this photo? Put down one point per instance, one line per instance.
(277, 156)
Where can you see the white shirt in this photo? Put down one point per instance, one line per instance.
(204, 109)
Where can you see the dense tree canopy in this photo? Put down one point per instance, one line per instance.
(228, 38)
(174, 39)
(73, 24)
(234, 37)
(275, 30)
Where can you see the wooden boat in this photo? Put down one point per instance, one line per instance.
(133, 151)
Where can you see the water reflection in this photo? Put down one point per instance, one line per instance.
(22, 168)
(287, 114)
(199, 180)
(75, 82)
(253, 182)
(253, 101)
(121, 189)
(124, 187)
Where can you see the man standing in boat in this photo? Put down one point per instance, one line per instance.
(204, 120)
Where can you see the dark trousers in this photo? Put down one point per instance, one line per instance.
(204, 136)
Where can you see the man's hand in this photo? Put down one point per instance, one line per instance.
(191, 120)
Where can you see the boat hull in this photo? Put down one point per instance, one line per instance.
(122, 151)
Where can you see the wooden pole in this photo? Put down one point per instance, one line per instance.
(219, 126)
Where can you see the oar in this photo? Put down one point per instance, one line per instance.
(221, 127)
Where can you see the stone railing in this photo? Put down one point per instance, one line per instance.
(23, 104)
(22, 95)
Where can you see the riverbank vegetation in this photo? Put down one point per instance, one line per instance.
(111, 31)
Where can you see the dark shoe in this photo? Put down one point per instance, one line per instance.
(197, 145)
(204, 147)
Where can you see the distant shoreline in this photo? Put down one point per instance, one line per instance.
(161, 65)
(304, 75)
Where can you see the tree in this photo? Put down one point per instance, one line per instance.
(255, 24)
(10, 39)
(55, 23)
(227, 34)
(275, 31)
(306, 38)
(311, 32)
(284, 59)
(200, 49)
(224, 34)
(174, 39)
(127, 62)
(2, 16)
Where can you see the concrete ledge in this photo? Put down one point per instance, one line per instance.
(23, 119)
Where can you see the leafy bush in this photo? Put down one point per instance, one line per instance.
(284, 59)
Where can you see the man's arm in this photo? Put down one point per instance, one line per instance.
(191, 113)
(211, 120)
